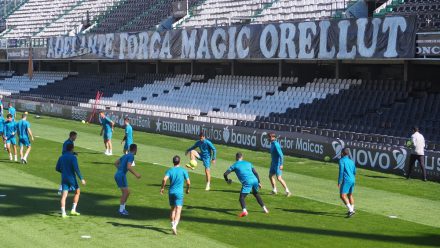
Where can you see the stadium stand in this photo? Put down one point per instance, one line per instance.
(285, 10)
(427, 12)
(15, 84)
(47, 17)
(135, 15)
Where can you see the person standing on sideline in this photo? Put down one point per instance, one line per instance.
(207, 154)
(24, 132)
(276, 166)
(249, 179)
(178, 176)
(67, 165)
(418, 153)
(107, 132)
(346, 180)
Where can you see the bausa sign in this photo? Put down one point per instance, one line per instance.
(389, 37)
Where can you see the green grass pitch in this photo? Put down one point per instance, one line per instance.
(313, 217)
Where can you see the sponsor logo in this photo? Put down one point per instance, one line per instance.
(32, 107)
(226, 134)
(177, 127)
(79, 113)
(400, 157)
(158, 125)
(51, 108)
(212, 133)
(338, 145)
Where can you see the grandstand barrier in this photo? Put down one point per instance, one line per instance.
(388, 37)
(383, 158)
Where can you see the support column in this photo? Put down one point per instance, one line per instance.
(157, 67)
(69, 66)
(337, 69)
(406, 71)
(126, 67)
(233, 68)
(280, 69)
(192, 67)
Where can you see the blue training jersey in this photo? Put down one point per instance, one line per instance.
(67, 165)
(2, 124)
(177, 176)
(12, 111)
(22, 129)
(10, 129)
(129, 134)
(123, 162)
(68, 141)
(347, 170)
(107, 124)
(276, 153)
(243, 170)
(206, 147)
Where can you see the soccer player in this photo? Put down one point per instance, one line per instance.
(276, 166)
(249, 179)
(67, 165)
(71, 140)
(12, 111)
(2, 128)
(207, 154)
(177, 176)
(9, 136)
(24, 132)
(417, 153)
(346, 180)
(123, 165)
(128, 138)
(107, 129)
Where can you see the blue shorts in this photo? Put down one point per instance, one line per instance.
(1, 133)
(121, 180)
(275, 170)
(127, 146)
(206, 162)
(347, 188)
(69, 185)
(12, 141)
(24, 142)
(108, 136)
(175, 199)
(247, 188)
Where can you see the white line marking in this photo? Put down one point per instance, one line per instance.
(86, 237)
(393, 217)
(2, 195)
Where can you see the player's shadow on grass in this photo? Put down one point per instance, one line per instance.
(101, 163)
(382, 177)
(209, 209)
(147, 227)
(302, 211)
(226, 190)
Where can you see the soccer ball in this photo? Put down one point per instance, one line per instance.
(83, 122)
(409, 143)
(193, 163)
(327, 158)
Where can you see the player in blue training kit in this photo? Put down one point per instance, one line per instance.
(249, 179)
(9, 136)
(67, 165)
(346, 180)
(12, 111)
(70, 140)
(128, 138)
(123, 165)
(2, 128)
(107, 132)
(206, 149)
(276, 165)
(24, 132)
(178, 176)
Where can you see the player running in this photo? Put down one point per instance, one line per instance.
(346, 181)
(67, 165)
(206, 149)
(276, 166)
(128, 138)
(12, 111)
(24, 132)
(9, 136)
(249, 179)
(123, 165)
(177, 176)
(107, 130)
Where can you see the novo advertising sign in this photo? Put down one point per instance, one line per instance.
(428, 45)
(388, 37)
(383, 158)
